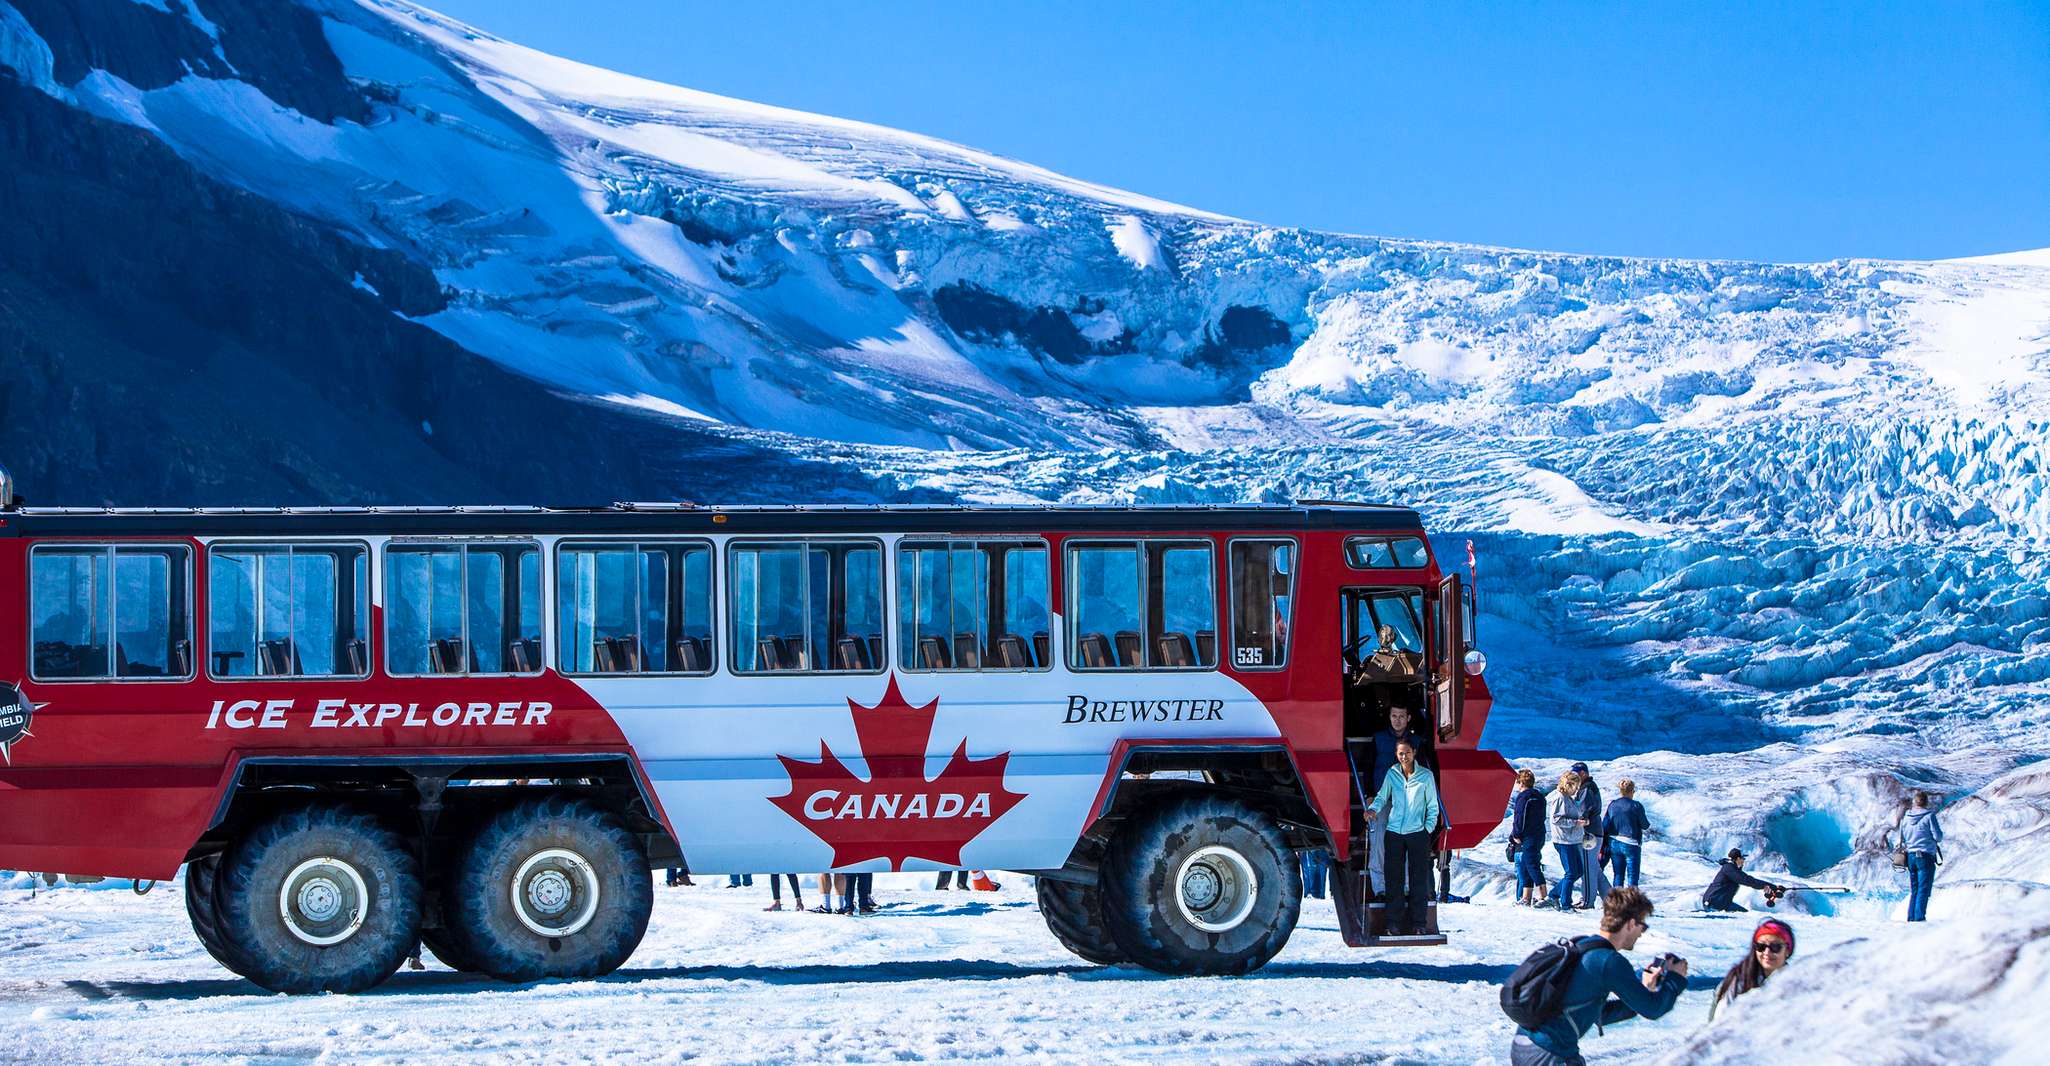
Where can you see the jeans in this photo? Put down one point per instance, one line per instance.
(1408, 874)
(1530, 865)
(861, 887)
(737, 880)
(1623, 859)
(1591, 868)
(1377, 856)
(1573, 860)
(1316, 863)
(1921, 881)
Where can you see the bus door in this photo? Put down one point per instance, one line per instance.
(1448, 674)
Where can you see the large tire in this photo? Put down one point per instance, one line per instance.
(321, 899)
(551, 888)
(1201, 885)
(202, 906)
(1074, 914)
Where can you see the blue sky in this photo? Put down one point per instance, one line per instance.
(1757, 131)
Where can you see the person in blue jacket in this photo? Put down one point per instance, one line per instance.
(1409, 802)
(1527, 839)
(1625, 828)
(1604, 972)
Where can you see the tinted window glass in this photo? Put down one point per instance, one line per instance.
(635, 608)
(287, 611)
(463, 609)
(1143, 605)
(1386, 553)
(807, 606)
(110, 612)
(1262, 581)
(972, 606)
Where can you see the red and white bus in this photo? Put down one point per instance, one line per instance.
(362, 729)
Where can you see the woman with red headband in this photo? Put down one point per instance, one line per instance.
(1772, 944)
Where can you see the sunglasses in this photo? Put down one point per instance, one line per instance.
(1770, 947)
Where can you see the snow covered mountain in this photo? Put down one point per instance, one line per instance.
(1771, 538)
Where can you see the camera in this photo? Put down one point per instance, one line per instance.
(1664, 962)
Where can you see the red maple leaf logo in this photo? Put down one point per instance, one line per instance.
(896, 814)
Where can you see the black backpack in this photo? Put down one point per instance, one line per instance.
(1536, 991)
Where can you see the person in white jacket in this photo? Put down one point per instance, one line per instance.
(1569, 829)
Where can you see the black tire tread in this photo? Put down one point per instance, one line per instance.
(234, 884)
(467, 923)
(1133, 888)
(202, 906)
(1074, 914)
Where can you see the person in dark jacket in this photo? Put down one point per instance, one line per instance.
(1625, 827)
(1592, 845)
(1604, 972)
(1527, 839)
(1730, 876)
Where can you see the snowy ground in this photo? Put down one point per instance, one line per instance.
(90, 974)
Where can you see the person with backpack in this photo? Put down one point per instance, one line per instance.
(1921, 836)
(1527, 839)
(1562, 990)
(1625, 827)
(1721, 894)
(1569, 829)
(1772, 945)
(1409, 801)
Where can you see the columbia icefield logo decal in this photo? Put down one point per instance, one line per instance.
(15, 710)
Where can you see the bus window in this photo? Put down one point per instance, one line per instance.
(1387, 634)
(287, 610)
(807, 607)
(1144, 605)
(627, 608)
(112, 612)
(1262, 573)
(1386, 553)
(972, 606)
(463, 609)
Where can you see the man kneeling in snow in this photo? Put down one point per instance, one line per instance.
(1602, 971)
(1729, 876)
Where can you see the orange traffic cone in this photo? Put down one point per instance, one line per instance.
(980, 881)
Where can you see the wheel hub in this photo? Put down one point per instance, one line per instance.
(555, 892)
(323, 901)
(1215, 888)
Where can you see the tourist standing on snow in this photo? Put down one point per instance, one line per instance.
(776, 892)
(1772, 944)
(1601, 971)
(1729, 877)
(1569, 830)
(1409, 801)
(1316, 863)
(1921, 836)
(1527, 838)
(1625, 827)
(1591, 844)
(1385, 742)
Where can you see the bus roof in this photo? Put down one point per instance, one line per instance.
(661, 518)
